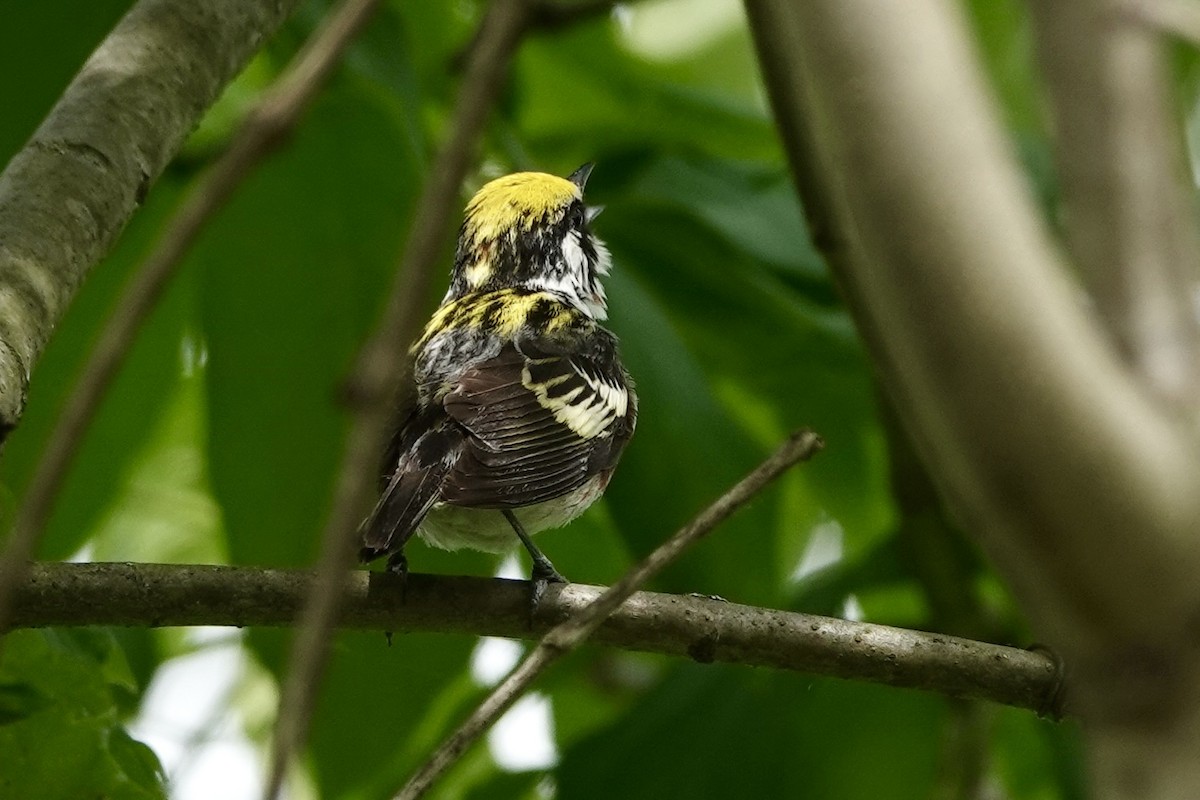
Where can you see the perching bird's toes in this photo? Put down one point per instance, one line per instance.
(542, 576)
(397, 564)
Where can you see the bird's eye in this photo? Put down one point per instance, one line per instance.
(576, 216)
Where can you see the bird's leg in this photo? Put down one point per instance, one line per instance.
(543, 573)
(397, 564)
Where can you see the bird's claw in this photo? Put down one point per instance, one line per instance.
(397, 564)
(542, 576)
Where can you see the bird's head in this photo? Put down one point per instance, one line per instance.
(532, 230)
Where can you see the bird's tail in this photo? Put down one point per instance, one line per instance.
(405, 501)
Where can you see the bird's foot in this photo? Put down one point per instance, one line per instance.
(542, 576)
(397, 564)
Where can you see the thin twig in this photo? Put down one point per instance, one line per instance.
(262, 131)
(688, 626)
(379, 367)
(568, 635)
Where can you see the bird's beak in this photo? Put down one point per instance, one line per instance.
(591, 212)
(580, 176)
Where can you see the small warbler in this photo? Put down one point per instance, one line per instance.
(519, 406)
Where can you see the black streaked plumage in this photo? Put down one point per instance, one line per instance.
(519, 405)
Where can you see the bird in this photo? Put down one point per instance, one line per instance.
(517, 406)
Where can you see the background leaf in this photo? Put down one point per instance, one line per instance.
(72, 683)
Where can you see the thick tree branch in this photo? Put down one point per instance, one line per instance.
(1129, 210)
(1179, 18)
(1077, 482)
(1051, 452)
(164, 595)
(65, 197)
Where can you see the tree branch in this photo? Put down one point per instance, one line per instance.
(1179, 18)
(166, 595)
(1129, 210)
(1079, 484)
(65, 197)
(1049, 451)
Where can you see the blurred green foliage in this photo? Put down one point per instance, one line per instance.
(221, 438)
(63, 694)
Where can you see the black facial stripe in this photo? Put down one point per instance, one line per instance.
(533, 249)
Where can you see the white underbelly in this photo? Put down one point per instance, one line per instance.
(451, 527)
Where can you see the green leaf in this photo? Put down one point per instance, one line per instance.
(752, 206)
(164, 510)
(569, 107)
(1037, 758)
(507, 786)
(32, 75)
(680, 422)
(734, 732)
(382, 706)
(744, 321)
(79, 677)
(773, 355)
(18, 700)
(135, 760)
(293, 273)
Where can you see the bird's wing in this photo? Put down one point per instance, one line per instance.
(529, 424)
(539, 422)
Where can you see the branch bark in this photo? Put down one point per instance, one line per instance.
(1049, 450)
(1129, 211)
(705, 630)
(1081, 486)
(1180, 18)
(65, 197)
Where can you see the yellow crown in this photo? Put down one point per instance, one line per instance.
(517, 201)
